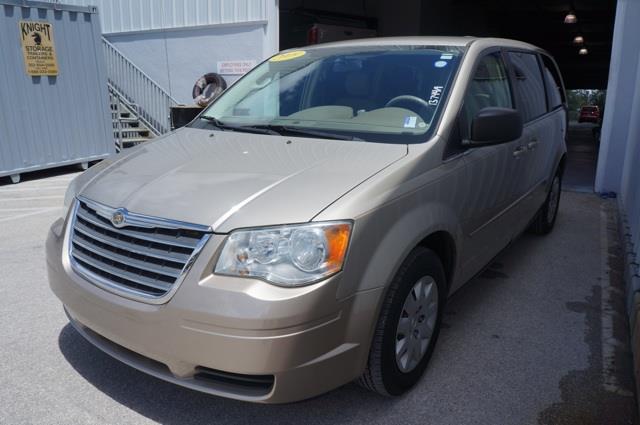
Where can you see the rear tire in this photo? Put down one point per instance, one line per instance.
(546, 217)
(408, 325)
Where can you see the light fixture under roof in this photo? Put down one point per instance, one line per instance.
(578, 40)
(583, 51)
(570, 18)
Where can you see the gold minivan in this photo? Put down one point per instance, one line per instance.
(307, 228)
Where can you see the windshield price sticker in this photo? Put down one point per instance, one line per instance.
(288, 56)
(38, 48)
(410, 122)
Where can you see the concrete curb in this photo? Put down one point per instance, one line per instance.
(632, 282)
(631, 270)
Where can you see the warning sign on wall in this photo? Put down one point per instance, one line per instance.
(238, 67)
(38, 48)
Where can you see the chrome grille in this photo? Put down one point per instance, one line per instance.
(146, 257)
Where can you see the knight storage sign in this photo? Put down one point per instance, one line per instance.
(38, 48)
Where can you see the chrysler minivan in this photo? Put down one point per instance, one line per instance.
(307, 228)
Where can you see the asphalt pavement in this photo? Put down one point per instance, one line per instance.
(538, 338)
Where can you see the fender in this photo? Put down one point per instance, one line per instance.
(380, 251)
(414, 197)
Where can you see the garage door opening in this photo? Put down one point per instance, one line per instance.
(586, 109)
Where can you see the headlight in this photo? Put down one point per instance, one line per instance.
(286, 255)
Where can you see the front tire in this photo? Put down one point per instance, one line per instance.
(408, 326)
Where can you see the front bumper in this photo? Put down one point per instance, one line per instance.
(237, 338)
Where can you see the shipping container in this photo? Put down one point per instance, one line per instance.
(54, 106)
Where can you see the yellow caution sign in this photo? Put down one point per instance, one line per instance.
(287, 56)
(38, 48)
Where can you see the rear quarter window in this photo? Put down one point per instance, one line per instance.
(553, 83)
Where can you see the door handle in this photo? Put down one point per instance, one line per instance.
(519, 151)
(532, 144)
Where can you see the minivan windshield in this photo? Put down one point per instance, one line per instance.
(390, 94)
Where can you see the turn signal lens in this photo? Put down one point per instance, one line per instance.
(337, 241)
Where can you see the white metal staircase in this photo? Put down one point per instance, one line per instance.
(128, 130)
(139, 106)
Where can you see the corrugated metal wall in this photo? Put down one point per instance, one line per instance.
(629, 88)
(140, 15)
(619, 155)
(47, 121)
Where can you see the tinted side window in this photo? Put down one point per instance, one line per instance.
(553, 83)
(488, 88)
(528, 84)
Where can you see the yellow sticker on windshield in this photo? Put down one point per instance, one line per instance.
(287, 56)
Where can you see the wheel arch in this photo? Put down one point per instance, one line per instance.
(562, 163)
(443, 245)
(558, 168)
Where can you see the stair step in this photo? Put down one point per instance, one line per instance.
(129, 126)
(126, 143)
(129, 120)
(137, 139)
(135, 136)
(131, 129)
(128, 132)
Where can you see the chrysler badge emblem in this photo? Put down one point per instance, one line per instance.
(117, 219)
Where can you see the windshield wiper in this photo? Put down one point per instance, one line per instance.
(283, 129)
(277, 130)
(240, 128)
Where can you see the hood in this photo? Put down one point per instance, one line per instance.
(230, 180)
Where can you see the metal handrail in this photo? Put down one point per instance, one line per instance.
(132, 107)
(137, 90)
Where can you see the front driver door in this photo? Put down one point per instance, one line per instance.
(493, 171)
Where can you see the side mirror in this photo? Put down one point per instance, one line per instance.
(495, 125)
